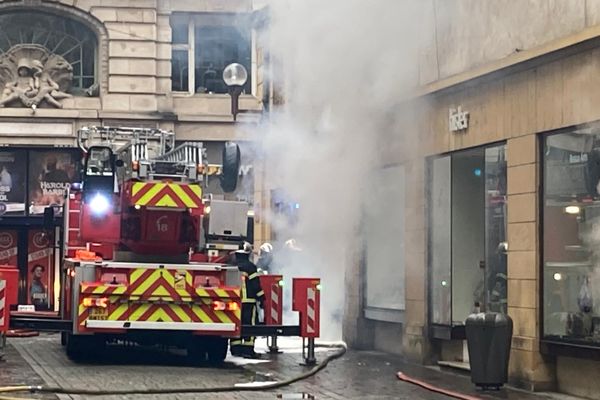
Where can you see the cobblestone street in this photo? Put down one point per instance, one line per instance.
(357, 375)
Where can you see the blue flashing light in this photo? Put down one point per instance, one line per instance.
(477, 171)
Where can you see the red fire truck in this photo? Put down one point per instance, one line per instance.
(145, 252)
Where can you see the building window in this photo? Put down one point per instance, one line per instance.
(384, 245)
(202, 47)
(571, 235)
(69, 39)
(467, 234)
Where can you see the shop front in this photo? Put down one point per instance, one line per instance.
(32, 179)
(512, 219)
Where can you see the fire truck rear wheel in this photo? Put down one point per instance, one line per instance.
(196, 350)
(217, 350)
(80, 347)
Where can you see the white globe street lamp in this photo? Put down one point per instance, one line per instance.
(235, 77)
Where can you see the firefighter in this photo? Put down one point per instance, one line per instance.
(265, 257)
(252, 297)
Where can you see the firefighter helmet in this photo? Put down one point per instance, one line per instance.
(245, 248)
(266, 248)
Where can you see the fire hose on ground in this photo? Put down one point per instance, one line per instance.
(341, 350)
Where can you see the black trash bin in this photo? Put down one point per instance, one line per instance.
(489, 337)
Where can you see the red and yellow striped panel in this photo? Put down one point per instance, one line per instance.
(159, 295)
(201, 311)
(162, 194)
(163, 284)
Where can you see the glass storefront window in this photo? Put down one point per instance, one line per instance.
(13, 171)
(571, 235)
(467, 234)
(50, 174)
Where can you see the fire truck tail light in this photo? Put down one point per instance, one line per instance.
(95, 302)
(135, 166)
(225, 306)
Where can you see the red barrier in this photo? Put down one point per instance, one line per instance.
(307, 301)
(273, 305)
(9, 278)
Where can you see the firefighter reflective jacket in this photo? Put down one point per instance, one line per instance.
(251, 289)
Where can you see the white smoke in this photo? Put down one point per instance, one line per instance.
(346, 66)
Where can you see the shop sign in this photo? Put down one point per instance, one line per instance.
(50, 175)
(458, 119)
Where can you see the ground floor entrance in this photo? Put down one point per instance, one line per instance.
(467, 235)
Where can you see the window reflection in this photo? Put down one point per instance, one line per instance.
(572, 235)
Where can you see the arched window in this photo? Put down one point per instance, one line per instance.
(64, 37)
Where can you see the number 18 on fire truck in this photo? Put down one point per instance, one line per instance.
(146, 253)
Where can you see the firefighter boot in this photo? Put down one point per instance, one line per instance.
(236, 347)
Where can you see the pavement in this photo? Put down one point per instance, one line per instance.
(357, 375)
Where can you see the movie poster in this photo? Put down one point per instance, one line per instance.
(8, 247)
(40, 268)
(13, 168)
(50, 174)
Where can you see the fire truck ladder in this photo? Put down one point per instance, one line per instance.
(148, 153)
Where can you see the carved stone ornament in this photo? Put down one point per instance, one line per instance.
(30, 76)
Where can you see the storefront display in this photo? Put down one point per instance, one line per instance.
(9, 249)
(50, 174)
(13, 170)
(467, 234)
(40, 265)
(571, 232)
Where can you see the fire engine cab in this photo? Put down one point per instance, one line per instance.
(145, 259)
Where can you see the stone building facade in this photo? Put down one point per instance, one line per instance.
(135, 63)
(499, 211)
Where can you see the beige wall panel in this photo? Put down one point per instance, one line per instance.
(132, 49)
(520, 103)
(522, 264)
(415, 312)
(549, 95)
(212, 105)
(522, 150)
(132, 66)
(474, 32)
(213, 131)
(146, 103)
(104, 14)
(581, 80)
(131, 31)
(522, 236)
(208, 5)
(529, 370)
(521, 179)
(522, 208)
(524, 321)
(523, 294)
(131, 84)
(415, 275)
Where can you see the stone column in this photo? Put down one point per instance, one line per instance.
(528, 369)
(414, 340)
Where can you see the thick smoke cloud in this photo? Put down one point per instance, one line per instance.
(345, 66)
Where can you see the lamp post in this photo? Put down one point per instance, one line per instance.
(235, 77)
